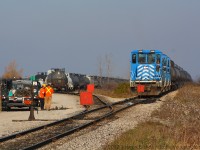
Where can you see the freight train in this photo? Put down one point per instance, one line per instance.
(62, 81)
(77, 81)
(153, 73)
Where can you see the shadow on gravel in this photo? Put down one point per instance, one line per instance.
(17, 109)
(149, 101)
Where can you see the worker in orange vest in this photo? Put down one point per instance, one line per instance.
(42, 94)
(48, 97)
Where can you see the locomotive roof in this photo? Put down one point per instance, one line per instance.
(146, 51)
(149, 51)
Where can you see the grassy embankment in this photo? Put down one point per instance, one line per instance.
(176, 125)
(116, 91)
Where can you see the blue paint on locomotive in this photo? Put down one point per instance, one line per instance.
(150, 68)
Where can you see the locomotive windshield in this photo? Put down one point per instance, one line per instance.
(150, 58)
(146, 58)
(142, 58)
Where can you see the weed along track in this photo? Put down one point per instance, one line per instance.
(46, 134)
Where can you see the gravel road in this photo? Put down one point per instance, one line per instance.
(10, 121)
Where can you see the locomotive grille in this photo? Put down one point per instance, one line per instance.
(145, 72)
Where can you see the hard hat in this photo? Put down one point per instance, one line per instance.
(44, 85)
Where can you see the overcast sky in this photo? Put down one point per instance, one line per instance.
(76, 34)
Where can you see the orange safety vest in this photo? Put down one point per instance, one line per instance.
(42, 92)
(49, 91)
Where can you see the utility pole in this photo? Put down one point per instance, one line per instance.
(31, 116)
(100, 69)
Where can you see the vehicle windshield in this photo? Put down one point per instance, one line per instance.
(23, 93)
(21, 90)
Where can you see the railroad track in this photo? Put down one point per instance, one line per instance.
(43, 135)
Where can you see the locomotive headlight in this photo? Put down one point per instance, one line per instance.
(152, 51)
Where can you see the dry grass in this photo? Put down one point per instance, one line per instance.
(175, 126)
(121, 90)
(145, 136)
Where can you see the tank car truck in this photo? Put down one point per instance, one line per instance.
(155, 72)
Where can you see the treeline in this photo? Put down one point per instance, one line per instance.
(12, 72)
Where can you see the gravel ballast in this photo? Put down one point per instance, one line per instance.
(93, 138)
(97, 138)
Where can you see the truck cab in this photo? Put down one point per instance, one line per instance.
(22, 93)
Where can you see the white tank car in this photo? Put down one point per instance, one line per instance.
(77, 81)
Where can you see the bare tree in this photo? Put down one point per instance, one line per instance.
(12, 72)
(108, 64)
(100, 68)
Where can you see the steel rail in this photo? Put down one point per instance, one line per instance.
(81, 126)
(45, 142)
(18, 134)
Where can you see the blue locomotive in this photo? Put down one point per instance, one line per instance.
(155, 72)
